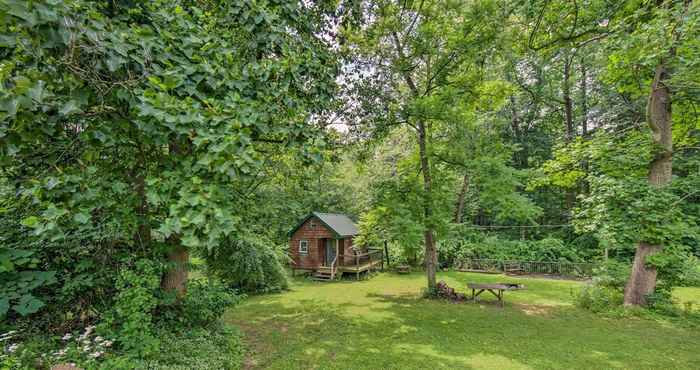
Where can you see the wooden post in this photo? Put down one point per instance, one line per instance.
(335, 260)
(386, 253)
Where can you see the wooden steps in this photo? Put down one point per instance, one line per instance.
(323, 274)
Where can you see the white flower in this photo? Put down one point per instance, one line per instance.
(6, 336)
(86, 348)
(107, 343)
(13, 347)
(96, 354)
(67, 336)
(98, 339)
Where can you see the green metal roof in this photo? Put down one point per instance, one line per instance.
(339, 224)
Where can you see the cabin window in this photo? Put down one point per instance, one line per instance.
(303, 247)
(312, 224)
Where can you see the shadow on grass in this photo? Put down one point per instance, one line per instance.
(409, 332)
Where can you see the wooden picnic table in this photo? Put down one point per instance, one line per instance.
(496, 289)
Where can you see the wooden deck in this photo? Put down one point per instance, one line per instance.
(351, 264)
(359, 268)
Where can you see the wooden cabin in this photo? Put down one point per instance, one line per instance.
(323, 244)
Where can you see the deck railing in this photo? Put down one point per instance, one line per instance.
(334, 267)
(532, 267)
(371, 256)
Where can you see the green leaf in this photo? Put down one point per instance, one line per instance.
(30, 221)
(114, 61)
(190, 241)
(4, 306)
(28, 304)
(69, 108)
(81, 217)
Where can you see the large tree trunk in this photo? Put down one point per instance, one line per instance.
(642, 280)
(643, 277)
(175, 277)
(459, 211)
(430, 251)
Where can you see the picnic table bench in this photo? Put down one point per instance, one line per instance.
(496, 289)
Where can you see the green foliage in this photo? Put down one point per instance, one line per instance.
(612, 274)
(622, 212)
(396, 208)
(249, 264)
(127, 127)
(599, 299)
(214, 347)
(605, 292)
(205, 303)
(453, 251)
(130, 320)
(217, 347)
(19, 279)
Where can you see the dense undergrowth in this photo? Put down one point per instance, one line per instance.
(142, 328)
(604, 293)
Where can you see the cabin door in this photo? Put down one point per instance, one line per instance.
(330, 251)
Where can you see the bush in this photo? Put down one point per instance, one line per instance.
(145, 333)
(215, 347)
(691, 273)
(205, 303)
(249, 264)
(598, 298)
(492, 247)
(130, 320)
(612, 274)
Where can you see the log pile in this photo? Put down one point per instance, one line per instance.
(444, 291)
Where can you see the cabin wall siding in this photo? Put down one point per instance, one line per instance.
(315, 237)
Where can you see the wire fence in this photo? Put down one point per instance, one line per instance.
(527, 267)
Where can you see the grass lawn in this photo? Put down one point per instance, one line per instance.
(382, 323)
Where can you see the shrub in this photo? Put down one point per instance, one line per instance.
(216, 347)
(612, 274)
(130, 320)
(206, 302)
(690, 275)
(597, 298)
(492, 247)
(249, 264)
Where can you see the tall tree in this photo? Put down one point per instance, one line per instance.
(424, 57)
(150, 119)
(642, 281)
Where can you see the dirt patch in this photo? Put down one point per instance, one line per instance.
(254, 335)
(535, 309)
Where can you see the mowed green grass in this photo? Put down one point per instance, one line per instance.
(383, 323)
